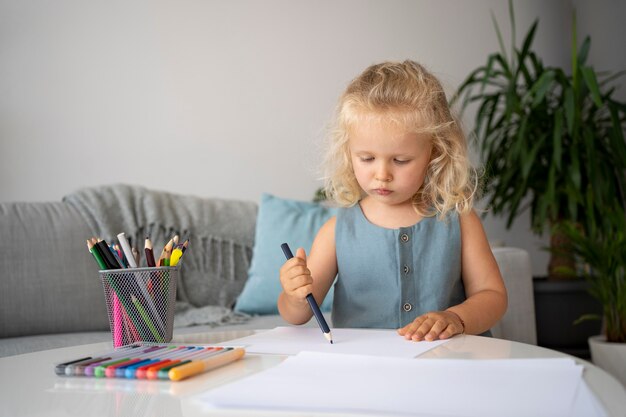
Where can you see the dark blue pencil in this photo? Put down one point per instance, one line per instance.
(316, 310)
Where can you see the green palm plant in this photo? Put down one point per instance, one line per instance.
(601, 255)
(551, 141)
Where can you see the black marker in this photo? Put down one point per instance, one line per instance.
(316, 310)
(60, 368)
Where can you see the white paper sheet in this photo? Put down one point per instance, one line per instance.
(322, 382)
(293, 340)
(586, 404)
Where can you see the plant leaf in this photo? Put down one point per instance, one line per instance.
(587, 317)
(499, 36)
(530, 158)
(512, 20)
(584, 50)
(575, 180)
(541, 87)
(592, 83)
(611, 78)
(557, 139)
(569, 110)
(528, 40)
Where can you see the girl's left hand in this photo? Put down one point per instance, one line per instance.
(432, 326)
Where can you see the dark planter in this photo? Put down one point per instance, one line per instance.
(557, 305)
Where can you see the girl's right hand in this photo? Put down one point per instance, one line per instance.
(295, 278)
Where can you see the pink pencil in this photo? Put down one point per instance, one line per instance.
(118, 336)
(130, 326)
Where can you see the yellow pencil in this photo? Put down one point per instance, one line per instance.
(176, 254)
(203, 365)
(164, 259)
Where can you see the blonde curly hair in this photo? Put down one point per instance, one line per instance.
(405, 95)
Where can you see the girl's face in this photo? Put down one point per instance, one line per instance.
(389, 164)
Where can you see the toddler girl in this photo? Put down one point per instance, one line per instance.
(406, 248)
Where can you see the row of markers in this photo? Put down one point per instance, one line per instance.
(165, 362)
(122, 255)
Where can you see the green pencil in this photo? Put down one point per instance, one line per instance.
(146, 319)
(96, 255)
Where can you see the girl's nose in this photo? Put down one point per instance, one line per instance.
(383, 174)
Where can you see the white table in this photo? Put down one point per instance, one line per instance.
(30, 387)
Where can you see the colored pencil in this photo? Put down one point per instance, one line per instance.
(164, 259)
(146, 319)
(132, 333)
(127, 250)
(203, 365)
(117, 312)
(107, 255)
(321, 321)
(96, 255)
(136, 255)
(177, 253)
(149, 253)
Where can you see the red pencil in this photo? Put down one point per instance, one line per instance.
(149, 253)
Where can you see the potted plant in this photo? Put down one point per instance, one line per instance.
(601, 256)
(552, 141)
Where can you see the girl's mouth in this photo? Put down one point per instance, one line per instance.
(382, 191)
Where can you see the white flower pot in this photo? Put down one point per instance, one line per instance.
(609, 356)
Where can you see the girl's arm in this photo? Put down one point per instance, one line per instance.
(486, 294)
(300, 276)
(486, 300)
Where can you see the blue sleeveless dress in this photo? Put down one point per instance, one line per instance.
(388, 277)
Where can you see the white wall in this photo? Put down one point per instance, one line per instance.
(605, 22)
(220, 98)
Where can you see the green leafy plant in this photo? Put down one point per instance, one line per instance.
(601, 255)
(551, 141)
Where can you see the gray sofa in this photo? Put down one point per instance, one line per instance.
(51, 294)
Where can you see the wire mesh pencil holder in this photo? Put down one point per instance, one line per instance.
(140, 304)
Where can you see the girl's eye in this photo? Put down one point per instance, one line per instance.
(402, 161)
(366, 159)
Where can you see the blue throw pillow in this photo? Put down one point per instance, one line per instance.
(278, 221)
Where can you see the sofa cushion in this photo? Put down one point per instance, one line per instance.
(279, 220)
(518, 323)
(49, 281)
(221, 234)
